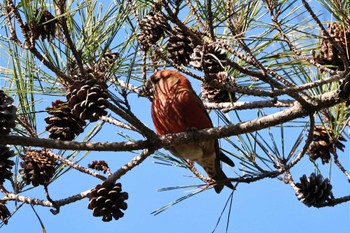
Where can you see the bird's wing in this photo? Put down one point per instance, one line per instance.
(191, 110)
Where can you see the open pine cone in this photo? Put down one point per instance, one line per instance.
(45, 27)
(329, 55)
(180, 47)
(108, 200)
(37, 168)
(88, 99)
(314, 190)
(324, 143)
(99, 165)
(216, 95)
(214, 58)
(4, 212)
(6, 163)
(63, 125)
(106, 61)
(7, 114)
(152, 28)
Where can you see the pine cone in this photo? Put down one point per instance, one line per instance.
(37, 168)
(7, 114)
(329, 55)
(88, 99)
(63, 125)
(99, 165)
(344, 90)
(45, 27)
(180, 47)
(152, 28)
(314, 190)
(4, 212)
(107, 61)
(6, 163)
(215, 58)
(211, 94)
(324, 143)
(107, 200)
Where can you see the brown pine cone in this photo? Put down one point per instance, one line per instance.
(108, 200)
(4, 212)
(6, 163)
(88, 99)
(99, 165)
(314, 190)
(63, 125)
(152, 28)
(45, 27)
(37, 168)
(215, 95)
(214, 58)
(329, 55)
(323, 144)
(180, 47)
(7, 114)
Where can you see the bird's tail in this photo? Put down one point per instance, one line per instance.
(221, 179)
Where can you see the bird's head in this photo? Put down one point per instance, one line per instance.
(168, 81)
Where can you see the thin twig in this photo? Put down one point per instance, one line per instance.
(130, 165)
(117, 123)
(195, 14)
(210, 20)
(225, 107)
(77, 167)
(63, 20)
(133, 120)
(340, 166)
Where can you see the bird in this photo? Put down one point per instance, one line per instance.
(177, 108)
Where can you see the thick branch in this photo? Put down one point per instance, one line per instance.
(326, 100)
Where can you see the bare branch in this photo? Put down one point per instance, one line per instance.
(324, 101)
(77, 167)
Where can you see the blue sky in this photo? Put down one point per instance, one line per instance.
(265, 206)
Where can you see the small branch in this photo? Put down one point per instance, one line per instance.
(61, 11)
(130, 165)
(340, 166)
(134, 121)
(263, 77)
(195, 14)
(225, 107)
(13, 37)
(117, 123)
(295, 50)
(306, 145)
(57, 204)
(77, 167)
(335, 201)
(171, 16)
(28, 200)
(205, 179)
(210, 21)
(73, 145)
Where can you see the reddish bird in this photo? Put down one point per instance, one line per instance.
(176, 108)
